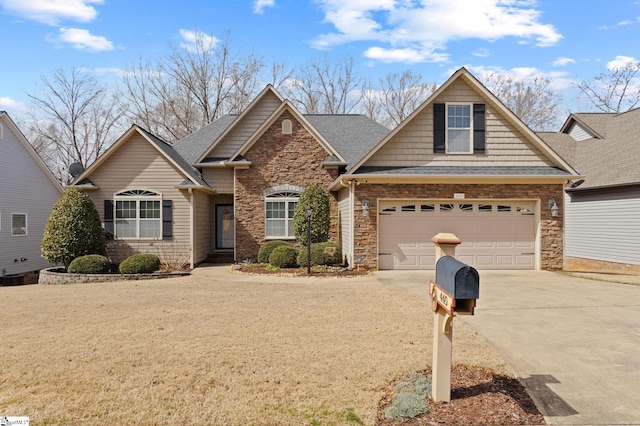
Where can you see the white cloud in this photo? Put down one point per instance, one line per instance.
(482, 53)
(191, 39)
(10, 105)
(562, 61)
(621, 62)
(428, 26)
(259, 5)
(81, 40)
(51, 12)
(406, 55)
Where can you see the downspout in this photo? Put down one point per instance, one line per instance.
(352, 220)
(191, 228)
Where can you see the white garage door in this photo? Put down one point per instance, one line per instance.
(495, 235)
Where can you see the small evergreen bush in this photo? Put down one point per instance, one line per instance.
(284, 257)
(314, 196)
(141, 263)
(321, 254)
(89, 264)
(267, 248)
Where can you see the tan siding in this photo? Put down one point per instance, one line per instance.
(250, 123)
(204, 222)
(344, 211)
(413, 145)
(137, 164)
(220, 179)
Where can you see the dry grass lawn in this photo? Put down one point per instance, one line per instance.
(214, 348)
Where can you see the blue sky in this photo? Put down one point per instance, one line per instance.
(565, 40)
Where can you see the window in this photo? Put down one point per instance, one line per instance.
(459, 128)
(18, 224)
(138, 214)
(279, 209)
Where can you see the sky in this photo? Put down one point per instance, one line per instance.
(564, 40)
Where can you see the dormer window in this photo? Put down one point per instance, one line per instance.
(458, 128)
(459, 125)
(287, 127)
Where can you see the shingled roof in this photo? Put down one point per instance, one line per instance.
(612, 158)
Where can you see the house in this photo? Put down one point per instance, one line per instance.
(28, 191)
(461, 163)
(601, 215)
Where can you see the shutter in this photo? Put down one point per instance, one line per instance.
(108, 219)
(478, 128)
(167, 219)
(439, 127)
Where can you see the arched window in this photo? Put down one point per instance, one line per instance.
(279, 209)
(287, 128)
(138, 214)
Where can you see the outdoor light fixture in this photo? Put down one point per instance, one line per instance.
(554, 208)
(365, 205)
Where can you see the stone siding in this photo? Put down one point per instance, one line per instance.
(552, 242)
(52, 276)
(277, 160)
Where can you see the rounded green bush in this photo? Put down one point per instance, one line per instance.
(141, 263)
(267, 248)
(284, 257)
(89, 264)
(326, 253)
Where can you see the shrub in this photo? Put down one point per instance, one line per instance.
(283, 257)
(267, 248)
(313, 196)
(326, 253)
(141, 263)
(89, 264)
(73, 229)
(406, 405)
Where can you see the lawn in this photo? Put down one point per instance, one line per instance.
(214, 348)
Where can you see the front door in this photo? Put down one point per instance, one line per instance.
(224, 227)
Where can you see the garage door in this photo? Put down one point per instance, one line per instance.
(495, 235)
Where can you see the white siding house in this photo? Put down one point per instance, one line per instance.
(28, 191)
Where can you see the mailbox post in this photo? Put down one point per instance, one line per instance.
(454, 291)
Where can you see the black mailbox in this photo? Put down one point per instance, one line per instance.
(459, 280)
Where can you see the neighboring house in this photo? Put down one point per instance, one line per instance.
(602, 213)
(461, 163)
(28, 191)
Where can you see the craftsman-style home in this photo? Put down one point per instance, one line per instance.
(461, 163)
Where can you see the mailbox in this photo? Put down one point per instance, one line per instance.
(460, 281)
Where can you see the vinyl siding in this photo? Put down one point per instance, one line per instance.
(413, 145)
(578, 133)
(243, 130)
(204, 223)
(344, 211)
(220, 179)
(136, 164)
(604, 226)
(24, 188)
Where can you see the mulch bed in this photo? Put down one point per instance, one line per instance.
(316, 271)
(479, 396)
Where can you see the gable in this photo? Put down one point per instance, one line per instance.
(136, 164)
(505, 143)
(243, 127)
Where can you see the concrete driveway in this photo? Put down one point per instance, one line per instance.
(573, 342)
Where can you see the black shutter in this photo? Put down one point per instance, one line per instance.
(108, 219)
(478, 128)
(439, 128)
(167, 219)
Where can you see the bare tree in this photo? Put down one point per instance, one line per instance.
(397, 97)
(74, 119)
(322, 87)
(531, 100)
(190, 87)
(614, 90)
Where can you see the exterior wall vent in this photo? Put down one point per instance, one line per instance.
(287, 128)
